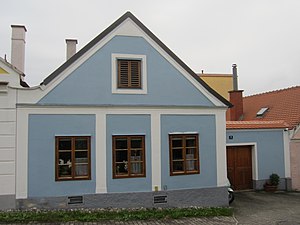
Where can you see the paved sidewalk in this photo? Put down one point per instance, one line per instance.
(187, 221)
(250, 208)
(261, 208)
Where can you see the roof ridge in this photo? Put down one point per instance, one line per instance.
(273, 91)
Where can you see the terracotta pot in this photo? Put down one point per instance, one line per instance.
(270, 188)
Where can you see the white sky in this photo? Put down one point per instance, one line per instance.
(261, 36)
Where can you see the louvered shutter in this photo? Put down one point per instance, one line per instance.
(135, 74)
(129, 74)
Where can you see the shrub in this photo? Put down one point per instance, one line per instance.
(274, 179)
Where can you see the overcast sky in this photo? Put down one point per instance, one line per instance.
(261, 36)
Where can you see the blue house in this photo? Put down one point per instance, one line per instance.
(122, 123)
(255, 150)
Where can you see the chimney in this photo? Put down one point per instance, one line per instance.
(71, 47)
(234, 76)
(18, 46)
(236, 98)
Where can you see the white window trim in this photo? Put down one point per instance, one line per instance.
(114, 73)
(185, 133)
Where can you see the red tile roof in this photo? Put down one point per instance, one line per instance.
(282, 105)
(254, 124)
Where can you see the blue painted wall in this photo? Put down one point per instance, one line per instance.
(41, 154)
(205, 125)
(128, 125)
(91, 82)
(270, 149)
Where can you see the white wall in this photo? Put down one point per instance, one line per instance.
(7, 142)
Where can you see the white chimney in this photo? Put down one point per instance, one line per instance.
(18, 46)
(71, 47)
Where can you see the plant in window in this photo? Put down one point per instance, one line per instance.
(65, 168)
(184, 158)
(128, 156)
(73, 158)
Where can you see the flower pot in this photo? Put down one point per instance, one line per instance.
(270, 188)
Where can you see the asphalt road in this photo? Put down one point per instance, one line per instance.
(280, 208)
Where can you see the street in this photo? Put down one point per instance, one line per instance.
(282, 208)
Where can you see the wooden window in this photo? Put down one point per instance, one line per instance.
(129, 74)
(73, 158)
(129, 156)
(184, 156)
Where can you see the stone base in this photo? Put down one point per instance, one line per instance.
(284, 184)
(206, 197)
(7, 202)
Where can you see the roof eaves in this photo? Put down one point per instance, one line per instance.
(12, 67)
(255, 124)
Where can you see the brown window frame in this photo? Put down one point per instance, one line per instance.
(73, 162)
(129, 161)
(184, 159)
(134, 80)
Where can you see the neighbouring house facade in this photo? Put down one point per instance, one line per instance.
(122, 123)
(259, 136)
(280, 105)
(222, 83)
(11, 80)
(255, 150)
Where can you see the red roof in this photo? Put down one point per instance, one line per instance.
(254, 124)
(283, 105)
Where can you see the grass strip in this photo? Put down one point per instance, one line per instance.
(95, 215)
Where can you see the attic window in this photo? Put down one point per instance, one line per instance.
(3, 87)
(129, 74)
(262, 112)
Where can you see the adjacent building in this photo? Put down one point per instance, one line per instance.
(282, 106)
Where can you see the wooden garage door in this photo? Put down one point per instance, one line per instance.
(239, 167)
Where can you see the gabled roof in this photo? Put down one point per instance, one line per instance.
(13, 68)
(282, 105)
(102, 35)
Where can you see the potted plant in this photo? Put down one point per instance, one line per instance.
(272, 184)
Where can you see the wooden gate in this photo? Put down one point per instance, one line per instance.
(239, 167)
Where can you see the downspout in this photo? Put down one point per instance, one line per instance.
(16, 145)
(287, 160)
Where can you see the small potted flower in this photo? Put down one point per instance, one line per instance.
(272, 184)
